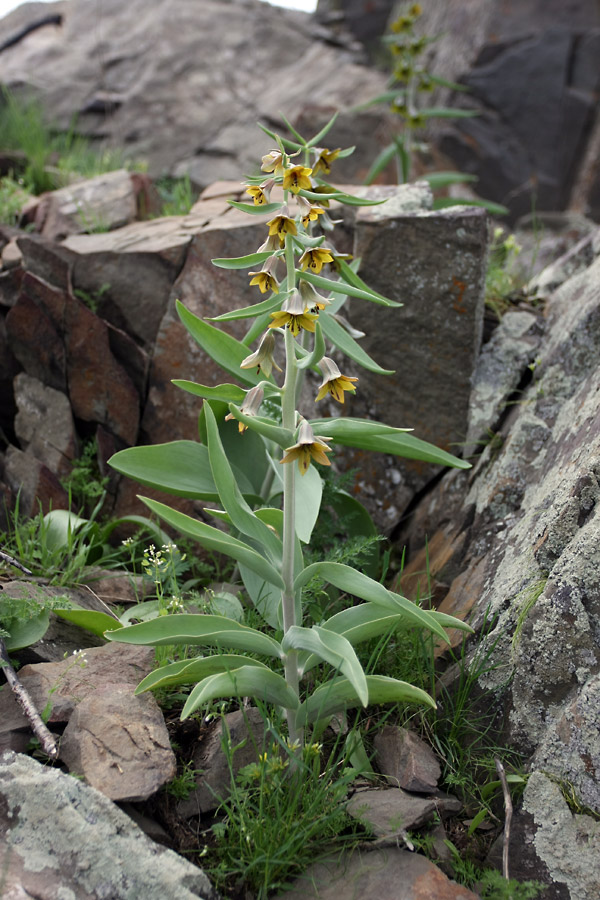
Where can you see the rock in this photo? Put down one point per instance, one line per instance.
(432, 262)
(119, 743)
(49, 818)
(36, 486)
(281, 61)
(101, 203)
(575, 260)
(406, 760)
(11, 256)
(378, 873)
(44, 424)
(391, 812)
(246, 729)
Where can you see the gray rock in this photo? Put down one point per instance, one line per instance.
(61, 838)
(97, 204)
(391, 812)
(34, 483)
(119, 743)
(575, 260)
(406, 760)
(378, 873)
(44, 424)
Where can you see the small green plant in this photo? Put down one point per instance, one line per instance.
(85, 484)
(177, 196)
(501, 282)
(183, 785)
(13, 198)
(273, 447)
(526, 600)
(409, 84)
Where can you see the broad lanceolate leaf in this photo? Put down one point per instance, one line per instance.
(257, 309)
(23, 633)
(495, 209)
(443, 179)
(60, 527)
(331, 648)
(231, 497)
(367, 435)
(353, 582)
(220, 346)
(265, 597)
(352, 199)
(339, 694)
(213, 539)
(243, 262)
(382, 160)
(251, 209)
(181, 468)
(247, 681)
(338, 335)
(199, 630)
(226, 393)
(96, 622)
(342, 287)
(189, 671)
(350, 276)
(264, 426)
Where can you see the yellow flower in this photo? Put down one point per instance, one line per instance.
(324, 159)
(307, 447)
(293, 315)
(273, 162)
(312, 299)
(309, 212)
(282, 225)
(260, 193)
(265, 281)
(334, 382)
(296, 179)
(263, 357)
(315, 259)
(250, 406)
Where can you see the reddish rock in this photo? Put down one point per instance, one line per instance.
(406, 760)
(34, 332)
(37, 487)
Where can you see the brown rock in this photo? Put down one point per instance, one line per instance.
(34, 332)
(391, 812)
(386, 874)
(407, 760)
(119, 743)
(37, 487)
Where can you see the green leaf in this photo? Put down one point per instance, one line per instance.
(442, 112)
(331, 648)
(318, 352)
(350, 276)
(188, 671)
(220, 346)
(443, 179)
(321, 134)
(495, 209)
(243, 262)
(386, 97)
(226, 393)
(60, 526)
(308, 499)
(213, 539)
(199, 630)
(379, 438)
(342, 287)
(449, 84)
(181, 468)
(249, 312)
(96, 622)
(247, 681)
(224, 603)
(447, 621)
(265, 597)
(24, 633)
(338, 336)
(231, 497)
(290, 145)
(268, 428)
(339, 694)
(252, 210)
(382, 160)
(144, 611)
(353, 582)
(477, 820)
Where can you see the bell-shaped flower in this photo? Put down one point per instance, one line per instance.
(282, 225)
(250, 406)
(297, 178)
(308, 212)
(315, 259)
(307, 447)
(324, 159)
(312, 298)
(261, 193)
(265, 281)
(293, 314)
(334, 382)
(263, 357)
(273, 162)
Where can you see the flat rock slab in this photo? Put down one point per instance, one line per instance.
(376, 875)
(391, 812)
(61, 838)
(119, 743)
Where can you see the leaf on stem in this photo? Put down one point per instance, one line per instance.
(189, 671)
(247, 681)
(220, 346)
(339, 694)
(244, 262)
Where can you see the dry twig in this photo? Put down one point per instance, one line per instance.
(508, 810)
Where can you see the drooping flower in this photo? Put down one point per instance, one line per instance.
(307, 447)
(315, 259)
(282, 225)
(293, 314)
(324, 159)
(265, 281)
(312, 298)
(273, 162)
(263, 357)
(297, 178)
(309, 212)
(334, 382)
(260, 193)
(250, 406)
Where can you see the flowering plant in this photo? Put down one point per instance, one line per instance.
(300, 314)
